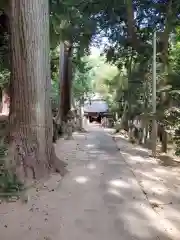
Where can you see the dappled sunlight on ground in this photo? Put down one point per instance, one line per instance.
(159, 182)
(91, 166)
(114, 191)
(136, 191)
(107, 194)
(137, 214)
(138, 159)
(90, 145)
(134, 212)
(118, 183)
(141, 149)
(81, 179)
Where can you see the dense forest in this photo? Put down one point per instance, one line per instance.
(46, 69)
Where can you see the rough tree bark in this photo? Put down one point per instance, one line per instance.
(65, 85)
(30, 108)
(124, 118)
(81, 114)
(80, 117)
(65, 81)
(64, 116)
(165, 60)
(135, 42)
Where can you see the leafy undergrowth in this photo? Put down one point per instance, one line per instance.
(10, 186)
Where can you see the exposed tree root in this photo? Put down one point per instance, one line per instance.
(60, 166)
(83, 130)
(28, 163)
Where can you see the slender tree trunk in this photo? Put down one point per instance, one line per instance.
(30, 109)
(65, 81)
(164, 140)
(81, 114)
(61, 77)
(135, 42)
(165, 59)
(73, 103)
(145, 133)
(144, 129)
(116, 116)
(124, 119)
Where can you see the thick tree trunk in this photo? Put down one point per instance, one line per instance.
(30, 108)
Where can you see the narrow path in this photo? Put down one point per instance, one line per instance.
(101, 198)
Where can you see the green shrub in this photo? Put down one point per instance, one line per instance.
(9, 183)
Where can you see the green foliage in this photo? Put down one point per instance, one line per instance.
(177, 140)
(9, 183)
(4, 41)
(54, 94)
(4, 78)
(69, 22)
(55, 77)
(174, 93)
(82, 83)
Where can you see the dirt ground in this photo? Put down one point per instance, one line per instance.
(40, 217)
(158, 178)
(107, 194)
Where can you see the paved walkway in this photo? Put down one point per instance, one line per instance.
(103, 200)
(99, 199)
